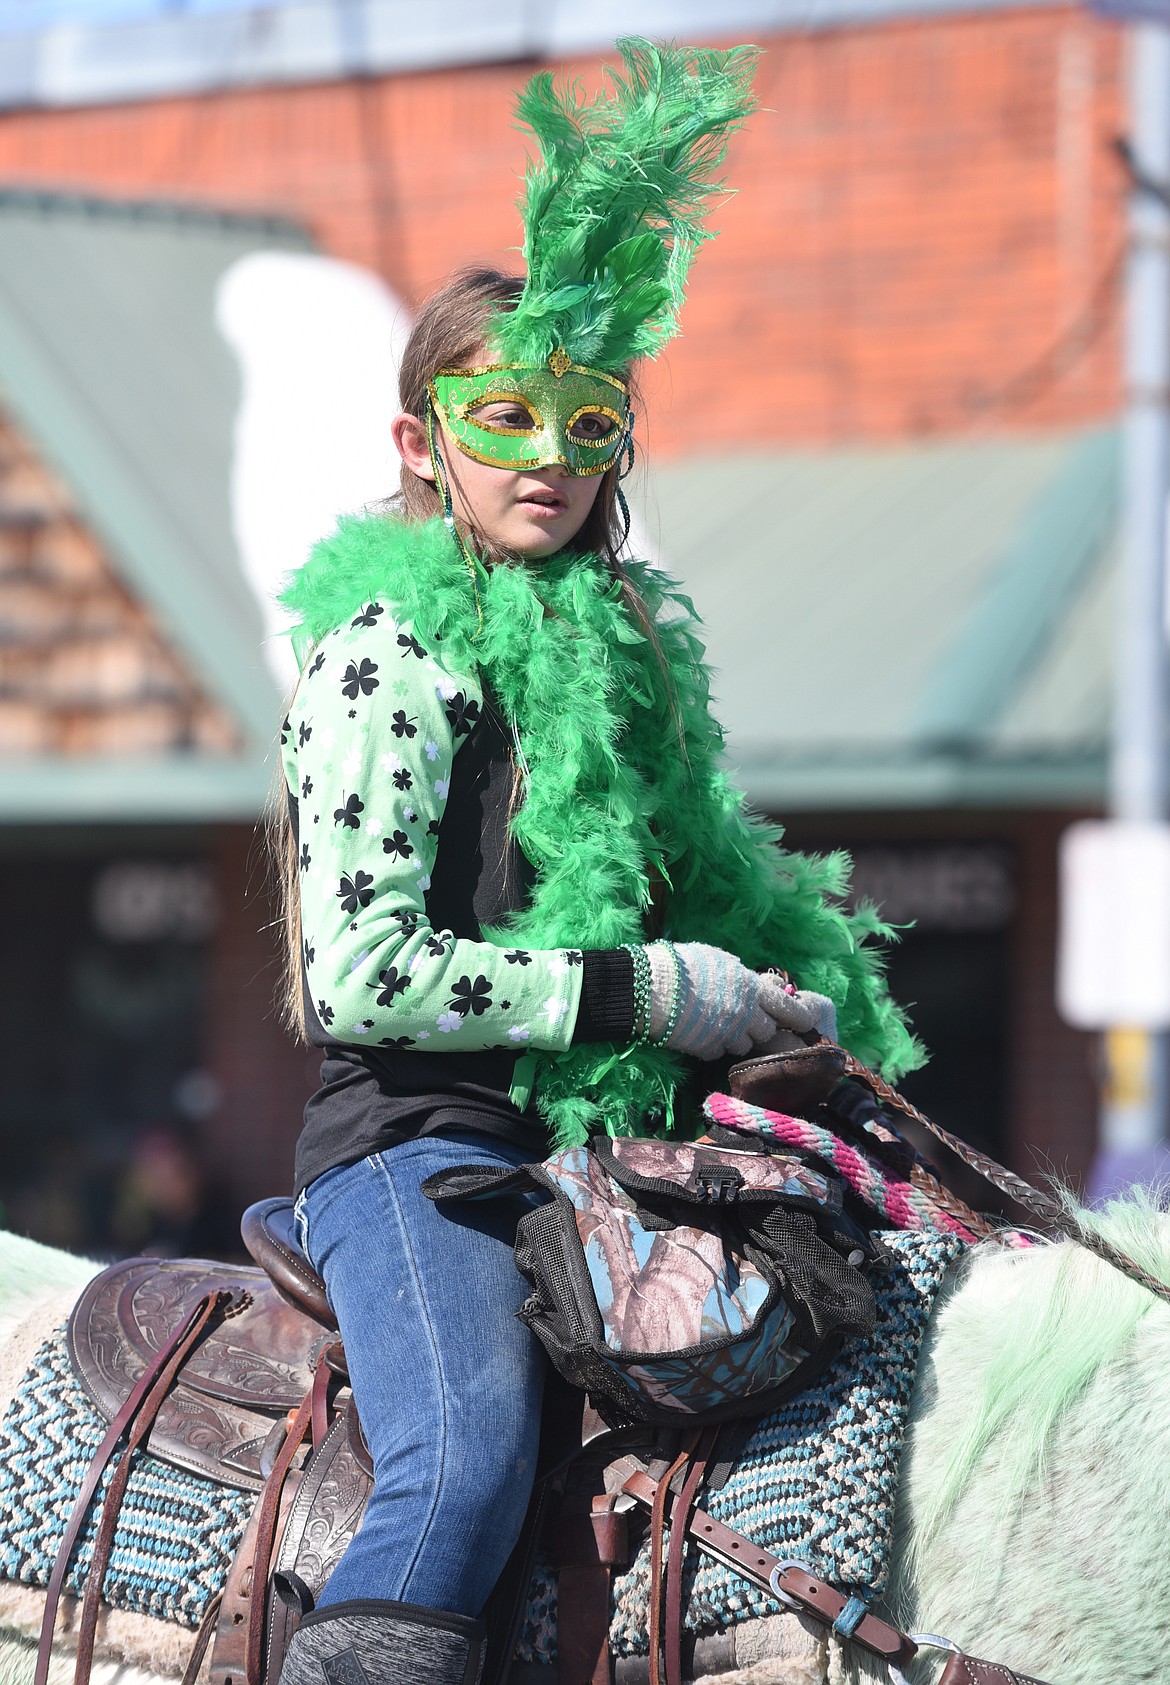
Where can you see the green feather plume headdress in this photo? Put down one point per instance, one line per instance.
(614, 205)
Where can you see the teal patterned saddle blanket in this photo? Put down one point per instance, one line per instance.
(817, 1480)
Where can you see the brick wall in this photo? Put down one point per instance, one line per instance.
(925, 237)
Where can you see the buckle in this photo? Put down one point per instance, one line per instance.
(923, 1641)
(715, 1183)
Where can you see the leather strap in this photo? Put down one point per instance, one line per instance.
(142, 1404)
(209, 1306)
(202, 1639)
(678, 1550)
(229, 1647)
(658, 1498)
(813, 1596)
(588, 1549)
(312, 1405)
(969, 1670)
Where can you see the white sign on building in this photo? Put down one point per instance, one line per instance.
(1113, 955)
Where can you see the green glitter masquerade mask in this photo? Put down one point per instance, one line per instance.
(511, 415)
(614, 211)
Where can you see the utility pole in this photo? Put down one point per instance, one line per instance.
(1137, 1057)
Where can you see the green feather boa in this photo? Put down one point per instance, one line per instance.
(626, 785)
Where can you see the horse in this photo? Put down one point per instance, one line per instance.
(1034, 1497)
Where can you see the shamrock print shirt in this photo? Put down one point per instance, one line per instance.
(367, 748)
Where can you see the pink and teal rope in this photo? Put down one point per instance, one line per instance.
(906, 1206)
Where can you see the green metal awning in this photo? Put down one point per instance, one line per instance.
(112, 366)
(926, 625)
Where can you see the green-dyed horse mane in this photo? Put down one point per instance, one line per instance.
(1040, 1327)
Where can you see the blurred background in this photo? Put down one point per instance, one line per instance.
(883, 457)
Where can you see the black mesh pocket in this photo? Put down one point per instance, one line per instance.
(827, 1294)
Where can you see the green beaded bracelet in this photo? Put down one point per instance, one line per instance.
(643, 979)
(675, 995)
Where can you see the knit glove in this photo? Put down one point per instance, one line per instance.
(705, 1002)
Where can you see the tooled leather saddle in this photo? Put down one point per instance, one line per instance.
(261, 1403)
(238, 1374)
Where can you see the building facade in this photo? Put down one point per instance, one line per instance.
(882, 460)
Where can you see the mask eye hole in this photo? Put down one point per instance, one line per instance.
(505, 412)
(594, 426)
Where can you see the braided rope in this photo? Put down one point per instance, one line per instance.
(1042, 1205)
(906, 1206)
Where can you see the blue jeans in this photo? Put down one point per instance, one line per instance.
(447, 1382)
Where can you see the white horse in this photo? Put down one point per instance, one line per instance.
(1034, 1513)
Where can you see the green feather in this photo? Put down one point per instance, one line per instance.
(614, 797)
(614, 205)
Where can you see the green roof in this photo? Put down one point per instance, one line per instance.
(112, 365)
(926, 625)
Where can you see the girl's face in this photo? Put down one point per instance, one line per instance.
(532, 512)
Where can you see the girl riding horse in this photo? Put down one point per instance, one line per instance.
(525, 903)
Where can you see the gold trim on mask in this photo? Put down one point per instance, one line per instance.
(507, 368)
(606, 439)
(467, 410)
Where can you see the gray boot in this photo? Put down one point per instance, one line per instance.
(368, 1642)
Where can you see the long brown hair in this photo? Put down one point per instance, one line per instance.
(449, 332)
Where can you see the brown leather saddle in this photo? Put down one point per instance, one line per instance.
(229, 1415)
(237, 1386)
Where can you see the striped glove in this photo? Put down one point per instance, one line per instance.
(707, 1003)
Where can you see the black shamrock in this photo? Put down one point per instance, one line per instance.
(467, 996)
(403, 780)
(317, 665)
(285, 728)
(355, 892)
(408, 921)
(310, 952)
(324, 1013)
(436, 946)
(359, 678)
(304, 734)
(410, 646)
(348, 815)
(398, 845)
(391, 984)
(410, 816)
(306, 857)
(369, 615)
(573, 956)
(462, 711)
(433, 828)
(517, 956)
(353, 713)
(307, 787)
(401, 726)
(505, 1006)
(396, 1041)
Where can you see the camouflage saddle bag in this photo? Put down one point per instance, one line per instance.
(681, 1283)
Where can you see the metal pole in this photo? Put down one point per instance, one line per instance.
(1134, 1111)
